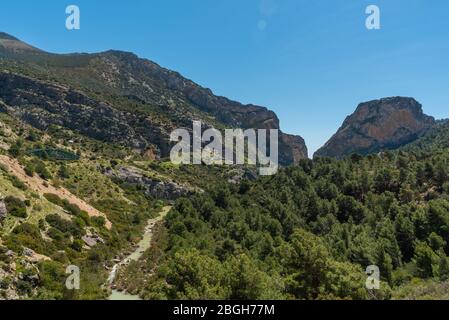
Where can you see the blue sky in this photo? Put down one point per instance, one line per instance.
(310, 61)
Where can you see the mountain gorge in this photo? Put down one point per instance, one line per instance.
(85, 176)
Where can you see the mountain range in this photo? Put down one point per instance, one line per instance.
(143, 102)
(140, 102)
(85, 181)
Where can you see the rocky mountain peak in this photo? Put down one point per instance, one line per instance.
(376, 125)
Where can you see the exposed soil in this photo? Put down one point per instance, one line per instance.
(40, 186)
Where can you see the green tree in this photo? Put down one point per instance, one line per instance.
(426, 260)
(247, 282)
(192, 275)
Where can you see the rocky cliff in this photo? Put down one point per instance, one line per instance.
(377, 125)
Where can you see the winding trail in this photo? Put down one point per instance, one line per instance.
(142, 246)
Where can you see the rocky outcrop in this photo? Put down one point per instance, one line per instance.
(12, 277)
(293, 148)
(92, 239)
(239, 173)
(377, 125)
(152, 187)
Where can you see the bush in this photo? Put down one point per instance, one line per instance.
(65, 226)
(77, 245)
(17, 183)
(55, 234)
(28, 235)
(42, 171)
(41, 224)
(63, 172)
(53, 198)
(73, 209)
(98, 221)
(16, 149)
(29, 169)
(16, 207)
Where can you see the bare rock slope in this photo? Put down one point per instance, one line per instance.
(377, 125)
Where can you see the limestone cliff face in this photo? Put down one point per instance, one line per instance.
(294, 150)
(378, 125)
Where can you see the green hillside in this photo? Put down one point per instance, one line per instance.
(309, 232)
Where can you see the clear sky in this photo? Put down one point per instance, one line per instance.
(311, 61)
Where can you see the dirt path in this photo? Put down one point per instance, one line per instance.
(36, 183)
(142, 246)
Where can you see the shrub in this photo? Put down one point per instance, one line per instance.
(98, 221)
(16, 149)
(17, 183)
(63, 172)
(77, 245)
(63, 225)
(73, 209)
(42, 171)
(28, 235)
(55, 234)
(16, 207)
(53, 198)
(29, 169)
(41, 224)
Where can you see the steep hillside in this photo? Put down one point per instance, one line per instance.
(69, 198)
(377, 125)
(158, 99)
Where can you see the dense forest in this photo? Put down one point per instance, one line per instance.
(310, 231)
